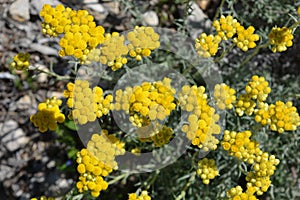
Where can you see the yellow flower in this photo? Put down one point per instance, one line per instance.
(48, 115)
(224, 96)
(142, 40)
(245, 38)
(207, 170)
(207, 45)
(21, 61)
(280, 39)
(226, 27)
(143, 196)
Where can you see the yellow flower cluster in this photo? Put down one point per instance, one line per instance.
(298, 10)
(91, 172)
(144, 196)
(80, 31)
(224, 96)
(155, 133)
(20, 61)
(202, 120)
(142, 41)
(284, 117)
(97, 161)
(48, 115)
(122, 99)
(257, 89)
(207, 45)
(236, 193)
(280, 39)
(43, 198)
(207, 170)
(245, 38)
(147, 102)
(240, 145)
(87, 103)
(113, 50)
(226, 27)
(264, 167)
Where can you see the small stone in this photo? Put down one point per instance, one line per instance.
(51, 164)
(42, 77)
(24, 102)
(151, 18)
(12, 137)
(197, 22)
(19, 10)
(112, 7)
(43, 49)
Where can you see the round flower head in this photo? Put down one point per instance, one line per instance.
(281, 38)
(207, 170)
(226, 27)
(20, 61)
(207, 45)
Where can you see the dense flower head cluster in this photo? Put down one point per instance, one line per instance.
(48, 115)
(258, 88)
(298, 10)
(91, 173)
(147, 102)
(245, 38)
(122, 99)
(264, 167)
(81, 34)
(144, 196)
(281, 38)
(226, 27)
(224, 96)
(207, 45)
(262, 114)
(207, 170)
(284, 117)
(20, 61)
(113, 51)
(279, 116)
(97, 161)
(236, 193)
(156, 133)
(240, 146)
(202, 120)
(105, 147)
(142, 40)
(87, 103)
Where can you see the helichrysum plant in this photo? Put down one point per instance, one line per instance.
(151, 107)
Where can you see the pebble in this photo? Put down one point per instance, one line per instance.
(12, 136)
(197, 22)
(19, 10)
(150, 18)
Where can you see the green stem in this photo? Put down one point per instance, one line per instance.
(51, 74)
(151, 180)
(186, 186)
(224, 53)
(118, 178)
(256, 51)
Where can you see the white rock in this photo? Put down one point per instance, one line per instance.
(13, 137)
(151, 18)
(197, 22)
(19, 10)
